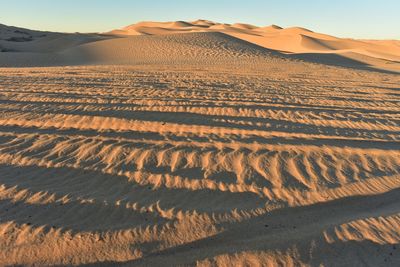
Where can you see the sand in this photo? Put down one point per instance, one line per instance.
(161, 43)
(199, 147)
(304, 43)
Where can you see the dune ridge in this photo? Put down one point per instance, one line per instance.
(293, 40)
(130, 46)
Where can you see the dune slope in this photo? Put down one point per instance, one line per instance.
(138, 44)
(186, 48)
(294, 40)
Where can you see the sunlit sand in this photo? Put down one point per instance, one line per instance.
(198, 143)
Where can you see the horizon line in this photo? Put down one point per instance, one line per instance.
(158, 21)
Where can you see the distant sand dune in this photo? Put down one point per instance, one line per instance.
(290, 40)
(57, 49)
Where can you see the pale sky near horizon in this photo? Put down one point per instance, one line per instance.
(369, 19)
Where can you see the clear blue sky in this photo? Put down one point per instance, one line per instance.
(345, 18)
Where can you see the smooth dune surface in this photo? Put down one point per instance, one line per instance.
(191, 144)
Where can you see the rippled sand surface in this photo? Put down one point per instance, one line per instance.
(266, 163)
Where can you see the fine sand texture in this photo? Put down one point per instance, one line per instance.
(143, 147)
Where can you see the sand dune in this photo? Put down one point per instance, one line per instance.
(271, 33)
(295, 43)
(198, 143)
(189, 48)
(294, 40)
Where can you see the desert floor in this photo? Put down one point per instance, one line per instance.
(198, 149)
(150, 165)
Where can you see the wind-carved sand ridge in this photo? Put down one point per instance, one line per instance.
(197, 149)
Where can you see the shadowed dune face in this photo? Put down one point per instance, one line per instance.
(188, 48)
(245, 164)
(183, 49)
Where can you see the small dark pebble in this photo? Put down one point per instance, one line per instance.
(53, 226)
(394, 246)
(28, 223)
(266, 225)
(391, 254)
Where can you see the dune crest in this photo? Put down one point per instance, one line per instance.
(293, 40)
(22, 47)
